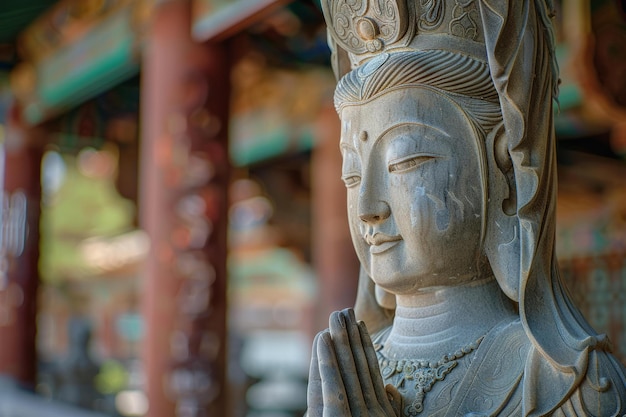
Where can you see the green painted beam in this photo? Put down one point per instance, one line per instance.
(15, 15)
(221, 18)
(104, 57)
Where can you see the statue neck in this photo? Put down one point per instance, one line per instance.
(442, 320)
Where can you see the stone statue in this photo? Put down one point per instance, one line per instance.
(449, 162)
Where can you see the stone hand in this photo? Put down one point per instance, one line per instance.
(344, 379)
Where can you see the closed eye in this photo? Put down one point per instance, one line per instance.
(408, 163)
(351, 180)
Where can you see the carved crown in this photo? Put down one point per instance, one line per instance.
(365, 28)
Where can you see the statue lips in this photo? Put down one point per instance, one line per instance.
(381, 242)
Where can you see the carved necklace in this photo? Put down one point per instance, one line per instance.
(422, 374)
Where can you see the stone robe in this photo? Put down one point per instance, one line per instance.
(492, 380)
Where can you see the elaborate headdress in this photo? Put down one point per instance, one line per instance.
(365, 29)
(514, 39)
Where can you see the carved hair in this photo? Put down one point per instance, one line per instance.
(465, 80)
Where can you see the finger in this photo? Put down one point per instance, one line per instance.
(343, 350)
(374, 370)
(314, 399)
(394, 398)
(357, 344)
(333, 387)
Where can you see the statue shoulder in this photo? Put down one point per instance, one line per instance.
(602, 391)
(499, 380)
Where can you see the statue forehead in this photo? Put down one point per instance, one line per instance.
(411, 105)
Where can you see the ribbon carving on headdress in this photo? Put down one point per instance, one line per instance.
(519, 45)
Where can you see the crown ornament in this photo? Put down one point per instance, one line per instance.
(366, 28)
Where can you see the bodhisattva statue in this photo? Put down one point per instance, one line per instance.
(449, 162)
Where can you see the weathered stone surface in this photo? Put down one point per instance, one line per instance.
(448, 158)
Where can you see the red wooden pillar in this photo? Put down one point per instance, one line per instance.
(183, 180)
(333, 254)
(19, 255)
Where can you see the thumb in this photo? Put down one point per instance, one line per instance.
(395, 399)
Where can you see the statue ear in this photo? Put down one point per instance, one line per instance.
(384, 299)
(502, 238)
(367, 308)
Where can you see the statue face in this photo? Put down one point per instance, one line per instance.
(415, 198)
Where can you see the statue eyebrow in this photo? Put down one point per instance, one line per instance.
(346, 146)
(386, 131)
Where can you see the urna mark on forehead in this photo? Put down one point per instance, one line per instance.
(418, 106)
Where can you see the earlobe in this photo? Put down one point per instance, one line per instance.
(385, 299)
(366, 307)
(505, 165)
(502, 238)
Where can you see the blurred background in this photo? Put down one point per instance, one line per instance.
(173, 223)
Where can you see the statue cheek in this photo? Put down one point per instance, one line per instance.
(353, 206)
(360, 247)
(443, 220)
(417, 212)
(439, 213)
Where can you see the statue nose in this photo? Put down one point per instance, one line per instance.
(374, 212)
